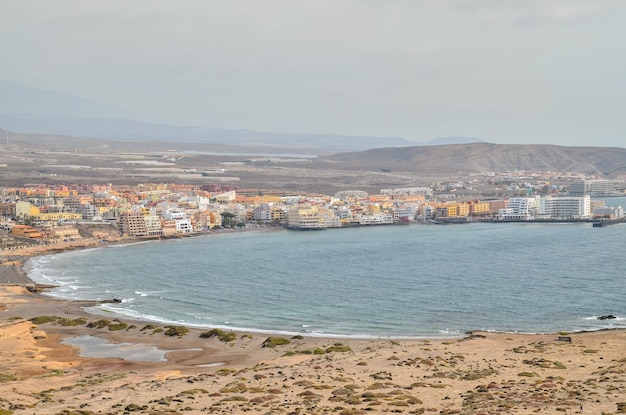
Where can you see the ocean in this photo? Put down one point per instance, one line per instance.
(412, 281)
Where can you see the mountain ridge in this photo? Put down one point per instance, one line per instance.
(486, 157)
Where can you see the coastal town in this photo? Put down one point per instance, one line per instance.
(48, 213)
(215, 371)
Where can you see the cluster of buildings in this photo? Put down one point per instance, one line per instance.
(46, 213)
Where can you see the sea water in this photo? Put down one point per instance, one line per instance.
(385, 281)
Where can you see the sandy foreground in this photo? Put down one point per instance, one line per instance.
(483, 373)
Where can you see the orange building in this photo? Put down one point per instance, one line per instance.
(25, 231)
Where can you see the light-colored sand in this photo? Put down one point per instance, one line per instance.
(482, 374)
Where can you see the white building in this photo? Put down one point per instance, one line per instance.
(183, 226)
(153, 225)
(564, 207)
(519, 208)
(376, 219)
(609, 212)
(548, 207)
(411, 191)
(592, 187)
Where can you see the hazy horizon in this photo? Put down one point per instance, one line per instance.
(518, 72)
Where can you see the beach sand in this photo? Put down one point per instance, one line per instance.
(482, 373)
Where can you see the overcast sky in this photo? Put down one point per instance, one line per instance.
(506, 71)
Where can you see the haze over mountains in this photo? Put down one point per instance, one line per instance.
(51, 115)
(30, 110)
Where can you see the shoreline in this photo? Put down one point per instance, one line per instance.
(481, 373)
(19, 260)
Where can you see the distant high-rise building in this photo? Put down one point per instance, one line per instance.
(592, 188)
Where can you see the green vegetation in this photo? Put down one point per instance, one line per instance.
(117, 325)
(179, 331)
(99, 324)
(148, 327)
(275, 341)
(317, 351)
(220, 334)
(5, 412)
(338, 347)
(527, 374)
(193, 391)
(72, 322)
(43, 319)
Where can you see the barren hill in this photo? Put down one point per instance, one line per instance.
(475, 157)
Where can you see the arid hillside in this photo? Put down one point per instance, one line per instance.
(40, 158)
(429, 160)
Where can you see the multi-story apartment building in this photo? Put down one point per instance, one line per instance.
(132, 224)
(7, 210)
(564, 207)
(548, 207)
(262, 213)
(153, 225)
(305, 217)
(592, 187)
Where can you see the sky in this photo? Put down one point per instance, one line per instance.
(505, 71)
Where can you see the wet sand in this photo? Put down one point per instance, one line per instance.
(483, 373)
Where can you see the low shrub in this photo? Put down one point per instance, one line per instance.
(179, 331)
(72, 322)
(275, 341)
(220, 334)
(338, 347)
(99, 324)
(43, 319)
(118, 325)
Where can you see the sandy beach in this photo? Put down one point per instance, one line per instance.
(165, 370)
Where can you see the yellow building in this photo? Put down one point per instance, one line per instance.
(25, 209)
(64, 232)
(480, 208)
(462, 209)
(56, 216)
(453, 210)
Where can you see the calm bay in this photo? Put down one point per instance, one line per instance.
(397, 281)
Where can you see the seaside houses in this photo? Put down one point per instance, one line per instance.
(156, 210)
